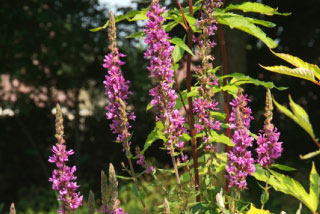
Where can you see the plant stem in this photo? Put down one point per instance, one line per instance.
(174, 163)
(134, 176)
(190, 103)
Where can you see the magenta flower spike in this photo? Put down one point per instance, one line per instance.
(269, 147)
(63, 177)
(240, 164)
(205, 103)
(117, 91)
(164, 96)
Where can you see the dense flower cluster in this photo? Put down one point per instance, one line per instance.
(117, 90)
(63, 177)
(240, 163)
(164, 96)
(205, 103)
(269, 147)
(245, 112)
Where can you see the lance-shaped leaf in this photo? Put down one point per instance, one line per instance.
(179, 42)
(245, 24)
(298, 115)
(302, 69)
(256, 8)
(292, 187)
(310, 155)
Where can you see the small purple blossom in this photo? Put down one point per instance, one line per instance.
(142, 162)
(240, 163)
(164, 96)
(269, 147)
(63, 177)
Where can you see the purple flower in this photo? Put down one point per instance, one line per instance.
(117, 91)
(63, 177)
(164, 96)
(269, 147)
(245, 112)
(240, 164)
(205, 103)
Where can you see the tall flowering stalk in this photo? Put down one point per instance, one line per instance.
(164, 96)
(240, 164)
(205, 103)
(117, 90)
(269, 147)
(63, 177)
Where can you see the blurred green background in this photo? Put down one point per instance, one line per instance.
(48, 55)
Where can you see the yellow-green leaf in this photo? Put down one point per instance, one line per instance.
(254, 210)
(296, 72)
(255, 7)
(298, 115)
(310, 155)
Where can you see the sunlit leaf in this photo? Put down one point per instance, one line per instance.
(302, 69)
(282, 167)
(292, 187)
(255, 7)
(254, 210)
(243, 23)
(220, 138)
(296, 72)
(310, 155)
(298, 115)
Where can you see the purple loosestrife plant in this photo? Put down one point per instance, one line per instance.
(240, 164)
(164, 96)
(117, 90)
(269, 147)
(63, 177)
(205, 103)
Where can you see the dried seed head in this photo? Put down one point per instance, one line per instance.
(12, 209)
(104, 189)
(91, 203)
(166, 209)
(59, 125)
(113, 185)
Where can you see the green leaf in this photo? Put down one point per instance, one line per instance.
(239, 79)
(243, 23)
(292, 187)
(180, 43)
(170, 25)
(310, 155)
(298, 115)
(256, 8)
(118, 19)
(177, 52)
(139, 16)
(262, 22)
(154, 135)
(282, 167)
(220, 138)
(302, 69)
(314, 187)
(295, 72)
(139, 34)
